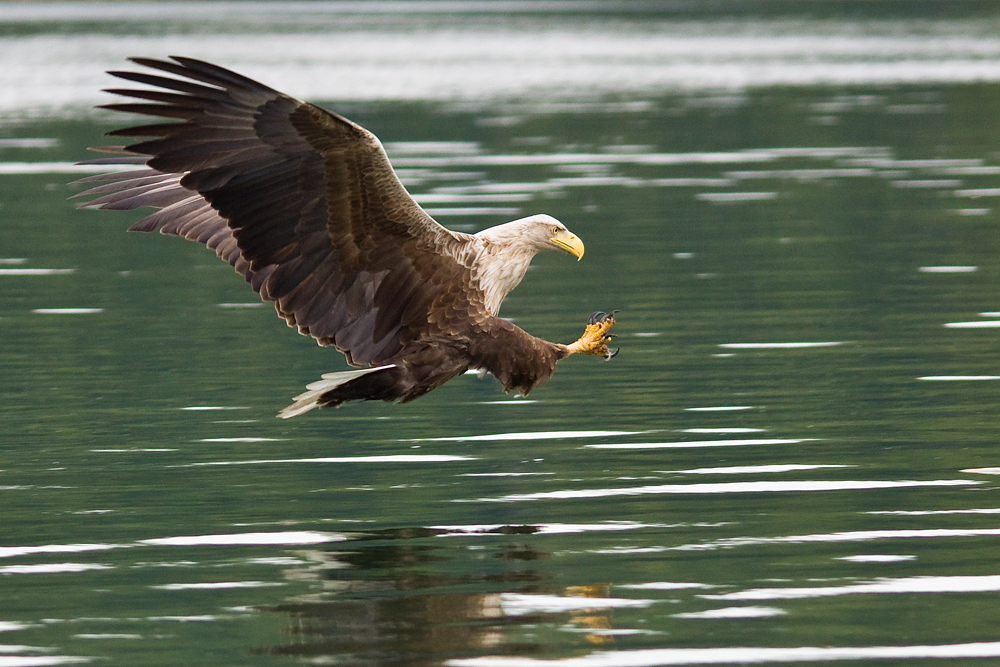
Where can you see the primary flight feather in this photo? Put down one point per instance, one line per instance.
(305, 205)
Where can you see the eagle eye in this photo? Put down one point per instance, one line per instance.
(555, 231)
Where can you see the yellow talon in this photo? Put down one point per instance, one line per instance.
(595, 337)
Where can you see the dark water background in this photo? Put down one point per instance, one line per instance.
(793, 458)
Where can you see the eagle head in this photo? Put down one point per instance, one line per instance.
(534, 234)
(506, 250)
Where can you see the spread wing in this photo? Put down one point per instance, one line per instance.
(302, 202)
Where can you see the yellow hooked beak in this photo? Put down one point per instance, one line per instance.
(570, 243)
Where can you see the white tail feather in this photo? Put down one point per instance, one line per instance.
(308, 400)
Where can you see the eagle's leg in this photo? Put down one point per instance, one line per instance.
(595, 337)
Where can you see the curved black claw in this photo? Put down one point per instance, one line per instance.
(610, 355)
(601, 316)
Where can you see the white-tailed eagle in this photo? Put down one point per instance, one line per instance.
(305, 205)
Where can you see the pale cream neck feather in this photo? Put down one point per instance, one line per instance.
(499, 267)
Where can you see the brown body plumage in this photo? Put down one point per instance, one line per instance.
(305, 205)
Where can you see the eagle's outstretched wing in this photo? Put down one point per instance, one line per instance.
(302, 202)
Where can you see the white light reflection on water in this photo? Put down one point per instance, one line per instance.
(734, 197)
(549, 528)
(628, 158)
(537, 435)
(7, 626)
(779, 346)
(517, 604)
(217, 585)
(991, 510)
(53, 168)
(730, 429)
(847, 536)
(948, 269)
(51, 568)
(10, 552)
(505, 474)
(241, 439)
(282, 538)
(703, 443)
(877, 558)
(956, 584)
(733, 612)
(744, 655)
(977, 324)
(744, 470)
(959, 378)
(666, 586)
(120, 450)
(66, 311)
(729, 487)
(975, 193)
(290, 537)
(465, 211)
(38, 660)
(35, 272)
(389, 458)
(802, 174)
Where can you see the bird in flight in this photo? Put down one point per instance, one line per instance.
(304, 204)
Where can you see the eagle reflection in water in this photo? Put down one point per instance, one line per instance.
(390, 597)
